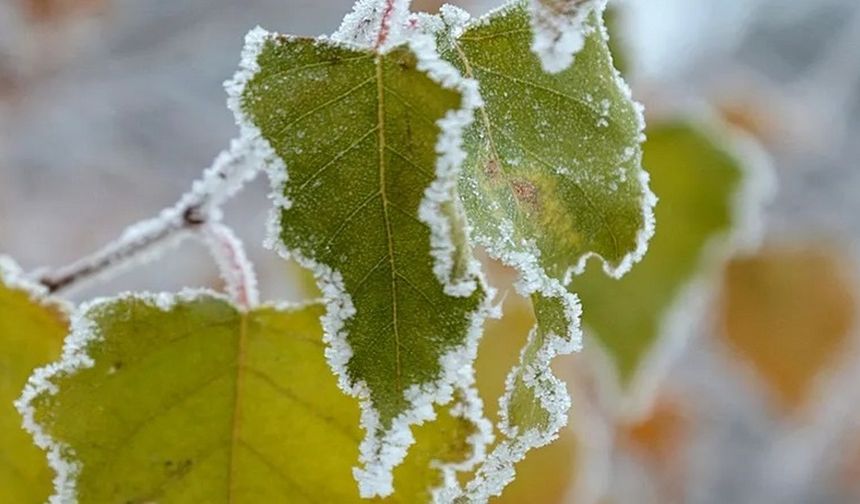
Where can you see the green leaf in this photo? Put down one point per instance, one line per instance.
(535, 404)
(183, 399)
(31, 334)
(552, 178)
(370, 142)
(700, 182)
(453, 443)
(553, 172)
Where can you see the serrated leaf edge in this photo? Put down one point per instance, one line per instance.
(498, 470)
(379, 454)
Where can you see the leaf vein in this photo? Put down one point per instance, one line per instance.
(328, 164)
(274, 469)
(346, 94)
(348, 219)
(591, 108)
(410, 162)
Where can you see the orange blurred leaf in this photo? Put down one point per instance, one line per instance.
(788, 312)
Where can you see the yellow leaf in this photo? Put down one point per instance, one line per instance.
(31, 334)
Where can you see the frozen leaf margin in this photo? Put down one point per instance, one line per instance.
(559, 30)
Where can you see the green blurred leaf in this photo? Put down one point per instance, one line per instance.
(188, 399)
(358, 133)
(31, 334)
(697, 180)
(553, 173)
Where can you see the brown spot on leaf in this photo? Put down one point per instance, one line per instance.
(491, 169)
(177, 469)
(525, 191)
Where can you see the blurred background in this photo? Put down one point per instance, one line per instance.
(109, 109)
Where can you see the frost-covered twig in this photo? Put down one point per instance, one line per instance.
(385, 24)
(236, 270)
(375, 24)
(145, 240)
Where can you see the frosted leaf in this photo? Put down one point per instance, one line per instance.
(376, 164)
(553, 174)
(188, 398)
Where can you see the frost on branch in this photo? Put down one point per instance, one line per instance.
(236, 270)
(374, 24)
(146, 240)
(362, 146)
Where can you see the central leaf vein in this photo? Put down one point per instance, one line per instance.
(241, 351)
(380, 94)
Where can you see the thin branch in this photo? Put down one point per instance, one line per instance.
(236, 270)
(385, 24)
(144, 241)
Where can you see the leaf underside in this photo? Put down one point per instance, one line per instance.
(199, 402)
(31, 335)
(357, 132)
(697, 181)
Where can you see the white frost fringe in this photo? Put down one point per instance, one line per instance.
(75, 358)
(469, 407)
(380, 452)
(559, 30)
(13, 277)
(498, 471)
(368, 18)
(648, 200)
